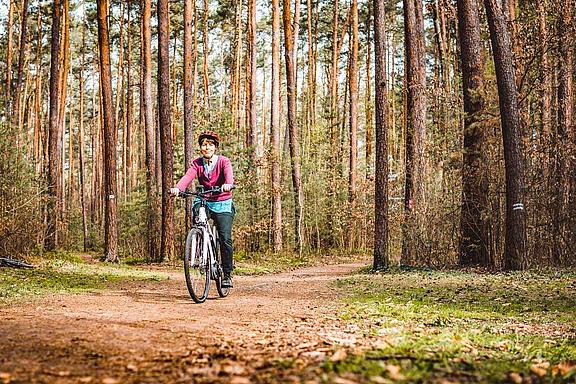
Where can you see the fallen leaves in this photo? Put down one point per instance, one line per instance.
(339, 355)
(5, 377)
(540, 369)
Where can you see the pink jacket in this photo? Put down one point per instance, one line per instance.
(221, 174)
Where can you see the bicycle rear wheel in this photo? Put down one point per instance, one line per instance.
(196, 266)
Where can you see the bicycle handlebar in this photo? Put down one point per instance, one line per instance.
(200, 191)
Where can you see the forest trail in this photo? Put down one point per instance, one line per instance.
(272, 328)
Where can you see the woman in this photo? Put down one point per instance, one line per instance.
(214, 170)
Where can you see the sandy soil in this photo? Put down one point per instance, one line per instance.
(272, 328)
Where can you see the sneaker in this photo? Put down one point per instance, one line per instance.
(227, 281)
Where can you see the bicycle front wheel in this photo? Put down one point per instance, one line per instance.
(197, 266)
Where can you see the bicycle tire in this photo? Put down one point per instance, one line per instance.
(222, 291)
(196, 266)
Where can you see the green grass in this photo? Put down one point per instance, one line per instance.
(66, 272)
(257, 263)
(469, 327)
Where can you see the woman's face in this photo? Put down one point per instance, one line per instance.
(207, 148)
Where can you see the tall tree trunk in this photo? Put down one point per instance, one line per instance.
(164, 118)
(251, 79)
(311, 78)
(293, 124)
(23, 29)
(110, 137)
(189, 6)
(65, 68)
(515, 243)
(81, 146)
(150, 133)
(38, 131)
(565, 149)
(275, 131)
(414, 203)
(128, 157)
(368, 98)
(353, 127)
(546, 87)
(381, 258)
(205, 55)
(120, 71)
(9, 52)
(53, 209)
(473, 216)
(236, 70)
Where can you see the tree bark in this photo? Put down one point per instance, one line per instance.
(416, 125)
(189, 6)
(368, 98)
(381, 258)
(150, 133)
(164, 118)
(9, 52)
(275, 153)
(515, 240)
(473, 216)
(251, 79)
(23, 30)
(110, 137)
(353, 89)
(205, 56)
(53, 209)
(564, 154)
(293, 124)
(81, 145)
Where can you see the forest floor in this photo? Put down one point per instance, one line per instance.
(271, 328)
(328, 323)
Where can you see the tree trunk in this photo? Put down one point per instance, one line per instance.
(9, 52)
(38, 131)
(164, 118)
(150, 133)
(353, 89)
(128, 157)
(473, 216)
(189, 6)
(23, 29)
(564, 155)
(515, 242)
(110, 137)
(251, 79)
(65, 68)
(53, 209)
(381, 258)
(293, 124)
(275, 131)
(81, 146)
(368, 98)
(205, 55)
(414, 203)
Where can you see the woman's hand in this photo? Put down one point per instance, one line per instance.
(174, 191)
(226, 187)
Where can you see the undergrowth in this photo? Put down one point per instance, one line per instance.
(431, 326)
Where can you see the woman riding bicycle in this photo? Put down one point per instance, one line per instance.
(214, 170)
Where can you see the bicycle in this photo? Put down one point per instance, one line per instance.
(202, 259)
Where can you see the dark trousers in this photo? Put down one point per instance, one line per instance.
(223, 223)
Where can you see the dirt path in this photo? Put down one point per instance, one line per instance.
(273, 328)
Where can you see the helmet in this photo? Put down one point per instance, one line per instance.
(210, 135)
